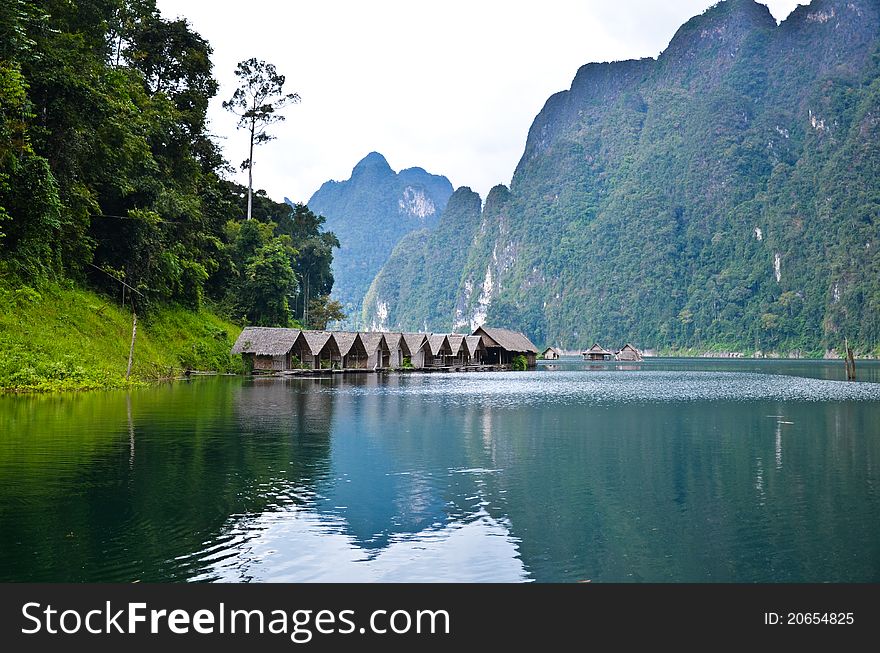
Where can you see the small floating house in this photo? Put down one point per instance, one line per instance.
(628, 353)
(414, 342)
(503, 345)
(476, 352)
(378, 354)
(597, 353)
(266, 348)
(551, 354)
(436, 350)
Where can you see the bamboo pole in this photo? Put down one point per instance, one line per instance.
(134, 323)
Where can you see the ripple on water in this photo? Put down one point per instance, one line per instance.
(505, 389)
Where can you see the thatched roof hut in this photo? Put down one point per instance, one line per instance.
(378, 354)
(503, 345)
(597, 353)
(628, 353)
(475, 348)
(551, 354)
(456, 342)
(265, 341)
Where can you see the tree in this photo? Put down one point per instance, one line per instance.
(256, 103)
(323, 310)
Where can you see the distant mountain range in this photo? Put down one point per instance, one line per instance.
(370, 213)
(724, 194)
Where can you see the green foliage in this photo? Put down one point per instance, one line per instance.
(655, 197)
(56, 338)
(323, 310)
(520, 363)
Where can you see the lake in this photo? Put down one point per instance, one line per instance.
(664, 471)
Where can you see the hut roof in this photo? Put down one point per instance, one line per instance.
(597, 349)
(509, 340)
(456, 340)
(265, 341)
(345, 341)
(315, 340)
(372, 341)
(392, 339)
(413, 341)
(551, 349)
(472, 344)
(629, 347)
(434, 343)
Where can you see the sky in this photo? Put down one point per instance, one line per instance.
(451, 86)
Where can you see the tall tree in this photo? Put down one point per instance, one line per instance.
(256, 102)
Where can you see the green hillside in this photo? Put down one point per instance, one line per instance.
(722, 195)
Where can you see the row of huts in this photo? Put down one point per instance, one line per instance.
(599, 353)
(272, 349)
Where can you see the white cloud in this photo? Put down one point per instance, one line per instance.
(452, 87)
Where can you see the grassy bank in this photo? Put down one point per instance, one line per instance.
(67, 338)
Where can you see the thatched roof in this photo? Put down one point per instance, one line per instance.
(597, 349)
(265, 341)
(373, 341)
(455, 340)
(315, 340)
(392, 339)
(507, 339)
(628, 347)
(434, 343)
(553, 350)
(345, 341)
(413, 342)
(472, 344)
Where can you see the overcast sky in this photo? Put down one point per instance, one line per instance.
(449, 86)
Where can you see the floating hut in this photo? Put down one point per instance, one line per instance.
(458, 353)
(317, 350)
(436, 349)
(503, 345)
(378, 354)
(351, 350)
(266, 348)
(551, 354)
(414, 342)
(397, 348)
(628, 353)
(475, 349)
(597, 353)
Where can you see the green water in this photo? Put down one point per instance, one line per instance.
(672, 470)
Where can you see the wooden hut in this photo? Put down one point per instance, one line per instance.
(597, 353)
(503, 345)
(458, 353)
(397, 348)
(475, 349)
(551, 354)
(436, 349)
(414, 351)
(318, 350)
(628, 353)
(266, 348)
(378, 354)
(351, 350)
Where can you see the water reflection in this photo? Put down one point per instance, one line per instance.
(610, 475)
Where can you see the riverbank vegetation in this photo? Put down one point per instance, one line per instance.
(114, 196)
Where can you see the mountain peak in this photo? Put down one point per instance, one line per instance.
(373, 161)
(720, 29)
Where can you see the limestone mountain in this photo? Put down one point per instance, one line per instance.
(370, 213)
(723, 194)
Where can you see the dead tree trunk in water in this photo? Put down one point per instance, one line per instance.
(134, 324)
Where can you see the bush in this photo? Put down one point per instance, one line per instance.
(520, 363)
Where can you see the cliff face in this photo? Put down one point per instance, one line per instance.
(725, 193)
(370, 213)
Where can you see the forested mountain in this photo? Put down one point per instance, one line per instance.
(108, 174)
(725, 194)
(370, 213)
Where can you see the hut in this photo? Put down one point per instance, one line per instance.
(503, 345)
(266, 348)
(397, 347)
(628, 353)
(458, 353)
(317, 350)
(351, 350)
(475, 349)
(551, 354)
(597, 353)
(378, 354)
(414, 351)
(436, 349)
